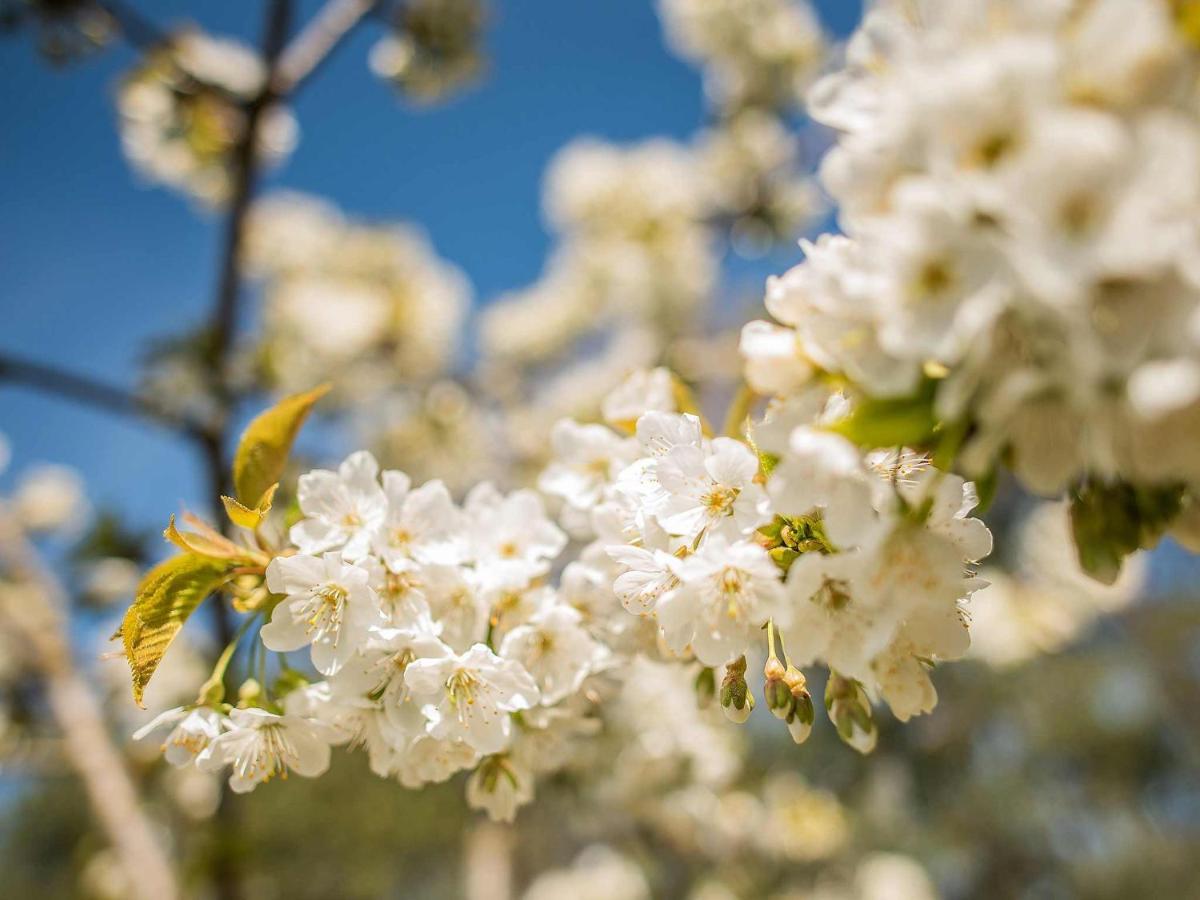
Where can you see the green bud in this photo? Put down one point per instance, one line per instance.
(736, 699)
(777, 694)
(250, 693)
(849, 709)
(783, 557)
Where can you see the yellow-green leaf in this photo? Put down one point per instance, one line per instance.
(206, 541)
(266, 443)
(166, 596)
(246, 517)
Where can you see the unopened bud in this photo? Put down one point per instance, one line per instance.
(800, 721)
(250, 693)
(775, 691)
(849, 709)
(736, 699)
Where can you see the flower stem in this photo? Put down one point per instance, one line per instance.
(213, 690)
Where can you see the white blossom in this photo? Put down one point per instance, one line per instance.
(328, 604)
(260, 745)
(192, 730)
(726, 593)
(343, 509)
(471, 695)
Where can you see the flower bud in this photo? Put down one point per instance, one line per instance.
(800, 720)
(849, 709)
(736, 699)
(775, 691)
(250, 693)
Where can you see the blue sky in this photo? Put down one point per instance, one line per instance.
(96, 264)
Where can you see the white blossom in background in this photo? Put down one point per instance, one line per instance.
(50, 498)
(636, 246)
(1019, 187)
(599, 873)
(761, 53)
(181, 114)
(361, 305)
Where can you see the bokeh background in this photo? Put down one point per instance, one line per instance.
(1063, 761)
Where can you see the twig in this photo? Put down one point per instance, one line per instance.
(96, 394)
(316, 43)
(38, 617)
(136, 28)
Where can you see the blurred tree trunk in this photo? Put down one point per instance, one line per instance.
(487, 861)
(33, 604)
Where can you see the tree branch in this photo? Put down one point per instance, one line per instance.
(136, 28)
(223, 325)
(316, 43)
(96, 394)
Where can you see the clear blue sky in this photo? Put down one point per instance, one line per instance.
(95, 264)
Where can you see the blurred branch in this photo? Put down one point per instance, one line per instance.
(487, 861)
(316, 43)
(95, 394)
(223, 325)
(136, 28)
(36, 612)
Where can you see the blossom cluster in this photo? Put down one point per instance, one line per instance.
(859, 562)
(441, 644)
(353, 303)
(183, 110)
(1018, 185)
(635, 247)
(761, 53)
(434, 48)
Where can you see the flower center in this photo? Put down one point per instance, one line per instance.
(461, 687)
(719, 500)
(732, 586)
(330, 604)
(271, 754)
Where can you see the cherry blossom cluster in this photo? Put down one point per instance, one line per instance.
(433, 49)
(440, 643)
(761, 53)
(859, 562)
(182, 111)
(1019, 186)
(357, 304)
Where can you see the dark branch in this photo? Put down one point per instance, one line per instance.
(95, 394)
(136, 28)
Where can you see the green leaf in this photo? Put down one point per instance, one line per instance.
(166, 596)
(892, 422)
(1110, 521)
(266, 443)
